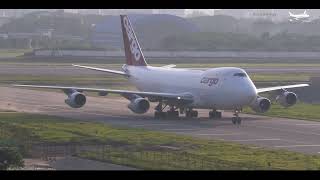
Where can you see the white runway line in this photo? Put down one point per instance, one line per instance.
(179, 129)
(141, 125)
(243, 140)
(307, 124)
(231, 134)
(301, 145)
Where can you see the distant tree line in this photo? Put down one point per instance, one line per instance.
(217, 33)
(212, 41)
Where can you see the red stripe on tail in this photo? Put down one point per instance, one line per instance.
(134, 55)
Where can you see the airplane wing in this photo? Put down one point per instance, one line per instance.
(173, 96)
(103, 70)
(169, 66)
(260, 90)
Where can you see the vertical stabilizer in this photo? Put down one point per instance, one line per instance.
(134, 55)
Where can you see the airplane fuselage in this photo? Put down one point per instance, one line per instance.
(216, 88)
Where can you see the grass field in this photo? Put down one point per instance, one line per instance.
(10, 53)
(20, 127)
(298, 111)
(105, 80)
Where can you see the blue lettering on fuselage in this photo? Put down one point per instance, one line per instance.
(209, 81)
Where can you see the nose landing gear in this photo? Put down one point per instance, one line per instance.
(236, 119)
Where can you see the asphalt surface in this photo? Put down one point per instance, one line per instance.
(71, 163)
(258, 131)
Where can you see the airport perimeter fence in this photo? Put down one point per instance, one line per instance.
(142, 159)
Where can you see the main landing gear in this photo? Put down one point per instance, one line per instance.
(236, 119)
(159, 114)
(172, 112)
(214, 114)
(191, 113)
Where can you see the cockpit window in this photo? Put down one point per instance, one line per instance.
(240, 74)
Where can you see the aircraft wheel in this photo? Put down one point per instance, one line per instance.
(159, 115)
(239, 120)
(194, 113)
(219, 114)
(173, 114)
(215, 115)
(234, 120)
(188, 114)
(191, 114)
(211, 115)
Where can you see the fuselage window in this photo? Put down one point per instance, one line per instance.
(240, 74)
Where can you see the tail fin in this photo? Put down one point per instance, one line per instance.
(291, 14)
(134, 55)
(305, 12)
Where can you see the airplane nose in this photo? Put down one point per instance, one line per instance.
(252, 93)
(249, 93)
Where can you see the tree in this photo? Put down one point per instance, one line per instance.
(10, 158)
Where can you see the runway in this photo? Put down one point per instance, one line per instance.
(257, 131)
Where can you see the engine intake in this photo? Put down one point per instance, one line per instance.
(287, 99)
(76, 100)
(139, 105)
(261, 105)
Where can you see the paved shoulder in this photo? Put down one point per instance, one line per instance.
(74, 163)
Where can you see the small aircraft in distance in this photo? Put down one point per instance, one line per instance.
(304, 17)
(181, 90)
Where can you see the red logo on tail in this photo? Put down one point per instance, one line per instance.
(133, 51)
(133, 44)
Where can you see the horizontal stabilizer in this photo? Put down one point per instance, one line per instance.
(103, 70)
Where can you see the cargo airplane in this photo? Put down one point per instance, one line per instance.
(299, 17)
(179, 91)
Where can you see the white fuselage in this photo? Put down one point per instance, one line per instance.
(216, 88)
(299, 17)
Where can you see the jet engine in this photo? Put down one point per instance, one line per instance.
(139, 105)
(76, 100)
(287, 99)
(261, 105)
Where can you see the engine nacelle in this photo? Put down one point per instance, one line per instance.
(76, 100)
(287, 99)
(261, 105)
(139, 105)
